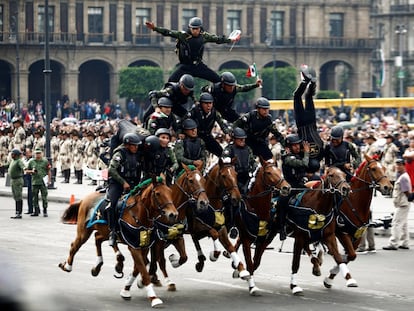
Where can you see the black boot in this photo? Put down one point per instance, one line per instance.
(2, 170)
(77, 177)
(19, 210)
(300, 89)
(110, 213)
(80, 176)
(36, 211)
(53, 179)
(66, 176)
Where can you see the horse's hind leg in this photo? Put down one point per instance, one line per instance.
(83, 235)
(297, 251)
(200, 255)
(315, 260)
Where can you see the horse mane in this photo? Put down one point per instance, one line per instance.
(191, 167)
(211, 166)
(253, 179)
(360, 167)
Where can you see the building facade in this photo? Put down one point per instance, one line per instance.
(90, 41)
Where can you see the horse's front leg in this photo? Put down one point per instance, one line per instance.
(82, 236)
(343, 268)
(315, 260)
(157, 253)
(200, 255)
(297, 252)
(349, 247)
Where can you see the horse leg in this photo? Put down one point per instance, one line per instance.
(126, 291)
(315, 260)
(99, 259)
(83, 235)
(343, 268)
(349, 247)
(200, 255)
(157, 251)
(297, 251)
(176, 261)
(119, 267)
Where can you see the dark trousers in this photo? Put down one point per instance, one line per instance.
(115, 191)
(212, 145)
(200, 71)
(28, 182)
(260, 148)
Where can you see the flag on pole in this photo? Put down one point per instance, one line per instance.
(251, 71)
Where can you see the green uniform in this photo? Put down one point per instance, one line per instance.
(16, 176)
(42, 168)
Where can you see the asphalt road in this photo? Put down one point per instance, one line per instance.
(31, 249)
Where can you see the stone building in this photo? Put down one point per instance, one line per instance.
(90, 41)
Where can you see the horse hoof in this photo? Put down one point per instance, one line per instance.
(254, 291)
(156, 302)
(214, 256)
(156, 283)
(327, 282)
(125, 294)
(199, 266)
(63, 265)
(244, 275)
(139, 284)
(118, 275)
(316, 271)
(174, 260)
(236, 274)
(171, 287)
(351, 283)
(119, 267)
(226, 254)
(297, 291)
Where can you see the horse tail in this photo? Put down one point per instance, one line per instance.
(70, 215)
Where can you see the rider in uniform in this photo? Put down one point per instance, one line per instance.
(164, 118)
(124, 174)
(180, 93)
(191, 150)
(340, 153)
(258, 124)
(206, 116)
(224, 93)
(294, 167)
(190, 48)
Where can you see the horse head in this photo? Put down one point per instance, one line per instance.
(335, 182)
(372, 172)
(191, 184)
(159, 196)
(227, 180)
(272, 177)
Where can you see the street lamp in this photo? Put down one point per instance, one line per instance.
(400, 30)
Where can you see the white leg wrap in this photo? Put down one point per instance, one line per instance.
(334, 270)
(68, 267)
(344, 269)
(293, 279)
(150, 291)
(236, 259)
(130, 280)
(216, 245)
(99, 260)
(251, 282)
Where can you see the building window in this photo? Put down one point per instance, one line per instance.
(276, 27)
(95, 24)
(187, 15)
(336, 25)
(41, 20)
(142, 33)
(233, 20)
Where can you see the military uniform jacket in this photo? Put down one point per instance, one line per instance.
(190, 149)
(205, 122)
(339, 156)
(258, 128)
(245, 162)
(65, 154)
(157, 120)
(42, 168)
(16, 169)
(159, 162)
(294, 168)
(125, 167)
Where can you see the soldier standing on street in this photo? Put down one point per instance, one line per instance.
(39, 168)
(16, 168)
(65, 155)
(91, 153)
(258, 125)
(78, 149)
(19, 135)
(190, 48)
(224, 93)
(4, 149)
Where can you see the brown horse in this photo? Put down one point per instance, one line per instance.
(311, 216)
(141, 208)
(354, 212)
(221, 186)
(188, 193)
(256, 220)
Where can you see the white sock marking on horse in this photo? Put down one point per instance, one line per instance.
(150, 291)
(130, 280)
(334, 270)
(236, 259)
(344, 269)
(216, 245)
(68, 267)
(293, 280)
(251, 283)
(99, 260)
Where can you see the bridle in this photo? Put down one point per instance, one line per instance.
(373, 183)
(226, 191)
(192, 196)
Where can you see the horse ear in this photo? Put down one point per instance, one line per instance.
(162, 175)
(380, 155)
(186, 168)
(367, 157)
(262, 161)
(200, 166)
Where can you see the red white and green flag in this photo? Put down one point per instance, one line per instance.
(251, 71)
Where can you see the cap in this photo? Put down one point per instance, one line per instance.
(38, 150)
(399, 161)
(371, 137)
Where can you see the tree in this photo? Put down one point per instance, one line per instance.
(286, 82)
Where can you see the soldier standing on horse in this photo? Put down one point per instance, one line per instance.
(224, 93)
(190, 48)
(124, 174)
(258, 125)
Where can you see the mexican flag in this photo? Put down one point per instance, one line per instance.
(251, 71)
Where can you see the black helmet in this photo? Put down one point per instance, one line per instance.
(195, 22)
(206, 98)
(337, 132)
(239, 133)
(131, 139)
(228, 78)
(189, 124)
(164, 102)
(293, 139)
(162, 130)
(152, 143)
(16, 152)
(262, 102)
(187, 81)
(313, 166)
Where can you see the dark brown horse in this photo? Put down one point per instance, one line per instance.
(221, 186)
(188, 193)
(137, 218)
(354, 212)
(255, 220)
(311, 214)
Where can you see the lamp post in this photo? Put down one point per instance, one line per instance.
(400, 30)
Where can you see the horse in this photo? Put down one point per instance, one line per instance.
(255, 218)
(222, 189)
(311, 215)
(354, 212)
(150, 200)
(188, 193)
